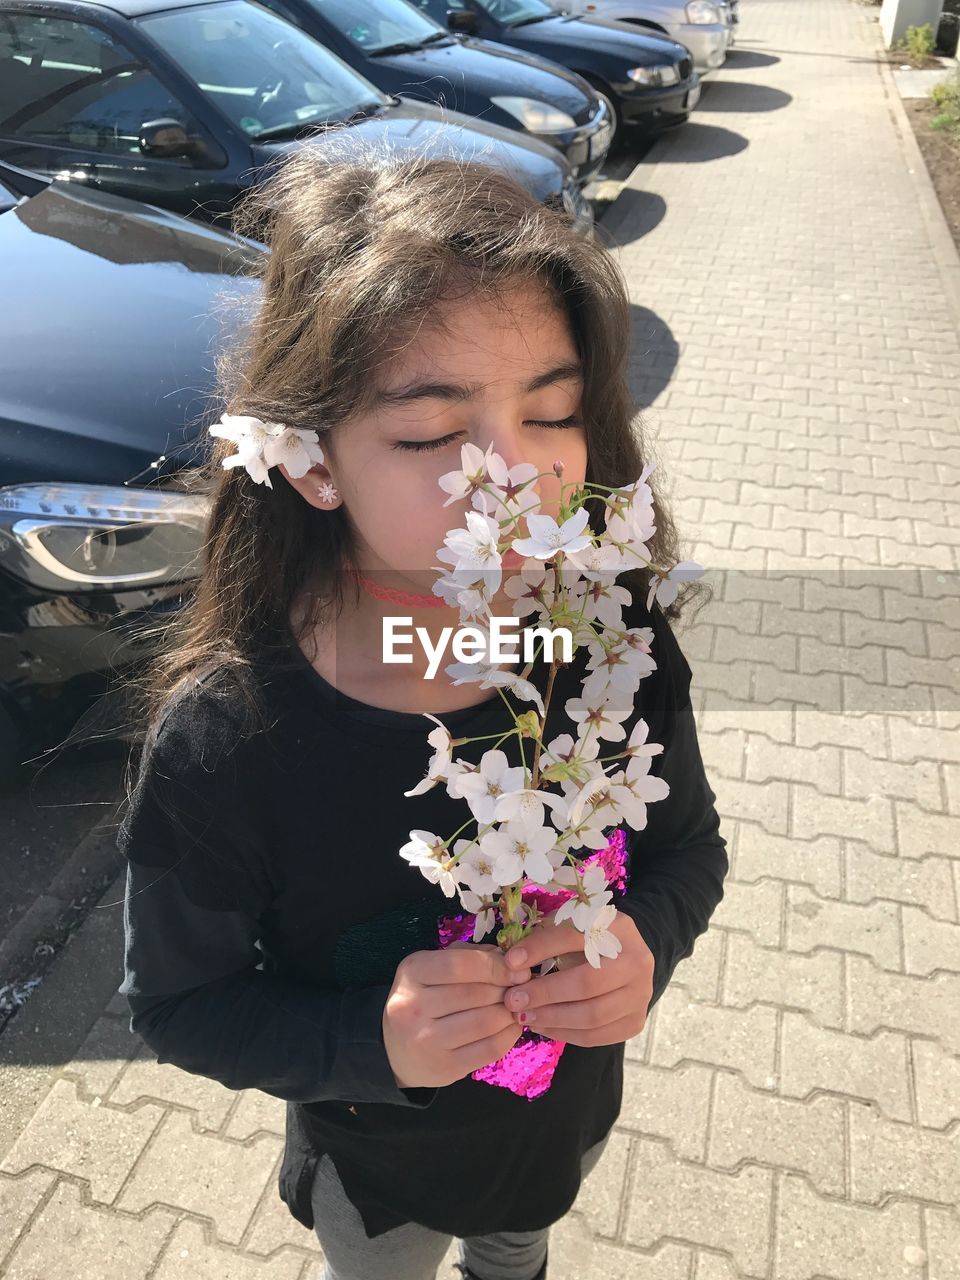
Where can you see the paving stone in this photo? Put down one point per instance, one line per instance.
(673, 1105)
(256, 1112)
(725, 1211)
(91, 1142)
(273, 1226)
(925, 882)
(817, 1238)
(224, 1180)
(811, 983)
(754, 908)
(943, 1244)
(741, 1039)
(936, 1078)
(598, 1201)
(820, 767)
(118, 1006)
(818, 728)
(714, 1266)
(774, 719)
(929, 945)
(574, 1253)
(812, 862)
(816, 814)
(88, 1243)
(814, 1058)
(146, 1078)
(699, 974)
(758, 1127)
(191, 1255)
(19, 1198)
(920, 832)
(918, 1006)
(846, 926)
(918, 781)
(888, 1159)
(101, 1058)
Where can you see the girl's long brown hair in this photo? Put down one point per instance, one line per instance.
(363, 253)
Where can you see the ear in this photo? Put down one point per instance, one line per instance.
(316, 487)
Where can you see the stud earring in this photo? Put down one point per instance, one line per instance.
(327, 493)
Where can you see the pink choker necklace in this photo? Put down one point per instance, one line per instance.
(381, 592)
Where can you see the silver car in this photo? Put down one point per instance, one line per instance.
(706, 27)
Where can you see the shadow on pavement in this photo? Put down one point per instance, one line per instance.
(697, 143)
(654, 355)
(638, 212)
(733, 95)
(746, 59)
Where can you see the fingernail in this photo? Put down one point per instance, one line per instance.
(522, 1017)
(516, 957)
(520, 1000)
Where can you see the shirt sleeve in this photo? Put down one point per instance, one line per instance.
(197, 888)
(678, 862)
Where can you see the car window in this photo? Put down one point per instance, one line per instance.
(265, 74)
(74, 85)
(379, 23)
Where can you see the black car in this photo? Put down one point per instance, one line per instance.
(404, 52)
(113, 315)
(649, 79)
(187, 103)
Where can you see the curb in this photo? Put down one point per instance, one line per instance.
(54, 914)
(615, 218)
(941, 238)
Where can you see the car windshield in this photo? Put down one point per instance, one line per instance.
(514, 13)
(266, 75)
(380, 26)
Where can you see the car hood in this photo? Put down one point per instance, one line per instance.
(612, 39)
(492, 70)
(113, 314)
(424, 129)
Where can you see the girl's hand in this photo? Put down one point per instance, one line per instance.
(580, 1004)
(445, 1015)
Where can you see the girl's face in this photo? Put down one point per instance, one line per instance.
(501, 372)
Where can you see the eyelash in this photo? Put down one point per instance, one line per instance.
(432, 446)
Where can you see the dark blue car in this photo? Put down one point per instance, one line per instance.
(405, 52)
(187, 103)
(649, 80)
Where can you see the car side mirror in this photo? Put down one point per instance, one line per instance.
(463, 21)
(167, 139)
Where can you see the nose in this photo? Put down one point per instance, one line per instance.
(507, 440)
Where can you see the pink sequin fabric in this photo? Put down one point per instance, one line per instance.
(528, 1068)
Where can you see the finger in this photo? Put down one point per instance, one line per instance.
(468, 1027)
(597, 1012)
(581, 982)
(481, 1053)
(466, 962)
(589, 1038)
(545, 940)
(458, 997)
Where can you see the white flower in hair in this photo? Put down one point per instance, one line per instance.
(262, 445)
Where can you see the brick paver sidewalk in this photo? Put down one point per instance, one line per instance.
(791, 1110)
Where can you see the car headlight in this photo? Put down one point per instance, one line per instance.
(655, 77)
(74, 537)
(536, 116)
(703, 12)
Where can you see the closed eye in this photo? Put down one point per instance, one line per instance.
(431, 446)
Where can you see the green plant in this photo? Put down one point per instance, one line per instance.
(946, 96)
(919, 43)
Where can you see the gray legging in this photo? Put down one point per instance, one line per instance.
(412, 1252)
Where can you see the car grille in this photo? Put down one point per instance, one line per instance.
(686, 66)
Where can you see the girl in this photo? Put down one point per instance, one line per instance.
(275, 939)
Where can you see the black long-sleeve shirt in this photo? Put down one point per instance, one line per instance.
(267, 908)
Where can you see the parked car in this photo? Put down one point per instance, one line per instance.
(111, 322)
(187, 103)
(403, 51)
(649, 80)
(706, 27)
